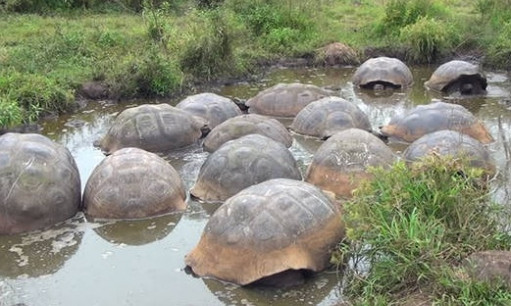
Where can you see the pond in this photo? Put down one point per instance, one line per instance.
(142, 262)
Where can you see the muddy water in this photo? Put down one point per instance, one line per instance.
(141, 262)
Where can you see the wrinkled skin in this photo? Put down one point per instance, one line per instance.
(39, 183)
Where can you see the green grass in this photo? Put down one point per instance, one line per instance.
(409, 229)
(157, 48)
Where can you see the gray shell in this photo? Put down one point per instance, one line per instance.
(285, 100)
(210, 108)
(451, 143)
(325, 117)
(39, 183)
(133, 183)
(268, 228)
(342, 160)
(155, 128)
(243, 162)
(383, 70)
(244, 125)
(454, 71)
(432, 117)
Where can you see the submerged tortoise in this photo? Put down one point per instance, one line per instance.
(451, 143)
(266, 229)
(458, 76)
(39, 183)
(381, 73)
(155, 128)
(325, 117)
(132, 183)
(432, 117)
(341, 162)
(285, 100)
(240, 163)
(244, 125)
(210, 108)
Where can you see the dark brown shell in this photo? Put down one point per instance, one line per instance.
(155, 128)
(456, 71)
(244, 125)
(265, 229)
(211, 108)
(285, 100)
(133, 183)
(454, 144)
(383, 70)
(433, 117)
(39, 183)
(243, 162)
(341, 162)
(325, 117)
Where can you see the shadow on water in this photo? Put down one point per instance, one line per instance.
(141, 262)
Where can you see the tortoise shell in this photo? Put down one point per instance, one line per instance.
(386, 71)
(39, 183)
(341, 162)
(210, 108)
(460, 76)
(155, 128)
(432, 117)
(244, 125)
(324, 117)
(285, 100)
(240, 163)
(265, 229)
(132, 183)
(454, 144)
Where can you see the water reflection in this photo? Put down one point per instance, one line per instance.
(138, 232)
(40, 253)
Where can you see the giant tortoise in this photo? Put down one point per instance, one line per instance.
(324, 117)
(266, 229)
(432, 117)
(132, 183)
(155, 128)
(244, 125)
(240, 163)
(458, 76)
(381, 73)
(39, 183)
(210, 108)
(341, 162)
(285, 100)
(451, 143)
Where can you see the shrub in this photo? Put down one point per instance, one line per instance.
(500, 49)
(10, 113)
(409, 225)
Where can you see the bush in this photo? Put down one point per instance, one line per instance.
(409, 225)
(426, 38)
(10, 113)
(500, 49)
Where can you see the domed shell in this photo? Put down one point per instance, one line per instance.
(454, 144)
(432, 117)
(383, 70)
(39, 183)
(455, 76)
(341, 162)
(210, 108)
(265, 229)
(155, 128)
(285, 100)
(244, 125)
(240, 163)
(132, 183)
(325, 117)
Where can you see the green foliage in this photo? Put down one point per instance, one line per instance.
(410, 222)
(427, 38)
(10, 113)
(208, 4)
(500, 49)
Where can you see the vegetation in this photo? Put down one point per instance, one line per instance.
(158, 48)
(409, 229)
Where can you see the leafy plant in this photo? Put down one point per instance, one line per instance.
(427, 38)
